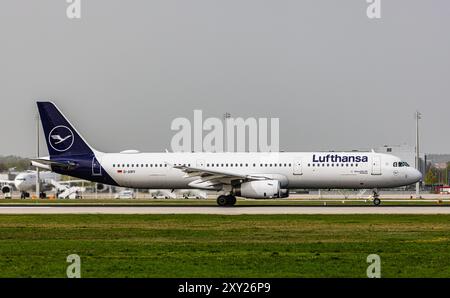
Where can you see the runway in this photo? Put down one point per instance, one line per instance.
(223, 210)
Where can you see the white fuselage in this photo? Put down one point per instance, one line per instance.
(355, 170)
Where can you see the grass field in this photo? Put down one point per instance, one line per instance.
(224, 246)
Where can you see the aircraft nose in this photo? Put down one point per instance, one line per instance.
(415, 175)
(18, 183)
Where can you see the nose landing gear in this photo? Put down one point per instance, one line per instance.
(376, 198)
(226, 200)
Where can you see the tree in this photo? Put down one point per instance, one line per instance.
(430, 178)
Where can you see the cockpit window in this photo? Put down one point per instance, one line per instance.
(401, 164)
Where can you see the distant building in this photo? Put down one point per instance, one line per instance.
(437, 160)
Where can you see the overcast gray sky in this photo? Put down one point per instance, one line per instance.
(336, 79)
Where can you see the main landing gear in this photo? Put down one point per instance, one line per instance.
(24, 195)
(226, 200)
(376, 198)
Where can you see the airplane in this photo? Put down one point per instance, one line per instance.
(256, 175)
(26, 182)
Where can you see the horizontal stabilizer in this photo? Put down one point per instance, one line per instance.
(51, 164)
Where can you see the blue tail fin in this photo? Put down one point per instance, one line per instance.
(62, 138)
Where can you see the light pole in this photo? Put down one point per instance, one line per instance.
(418, 117)
(38, 181)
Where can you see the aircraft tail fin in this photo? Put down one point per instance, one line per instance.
(61, 137)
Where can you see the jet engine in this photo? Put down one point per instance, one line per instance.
(6, 189)
(101, 187)
(263, 189)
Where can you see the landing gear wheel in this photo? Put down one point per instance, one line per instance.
(231, 200)
(376, 201)
(42, 195)
(222, 200)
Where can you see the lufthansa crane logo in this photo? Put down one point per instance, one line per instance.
(61, 138)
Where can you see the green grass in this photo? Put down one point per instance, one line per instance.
(225, 246)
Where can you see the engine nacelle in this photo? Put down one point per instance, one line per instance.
(264, 189)
(6, 189)
(101, 187)
(283, 193)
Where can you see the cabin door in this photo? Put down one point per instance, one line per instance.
(376, 165)
(298, 167)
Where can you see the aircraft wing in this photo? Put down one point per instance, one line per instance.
(74, 181)
(6, 182)
(216, 176)
(48, 164)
